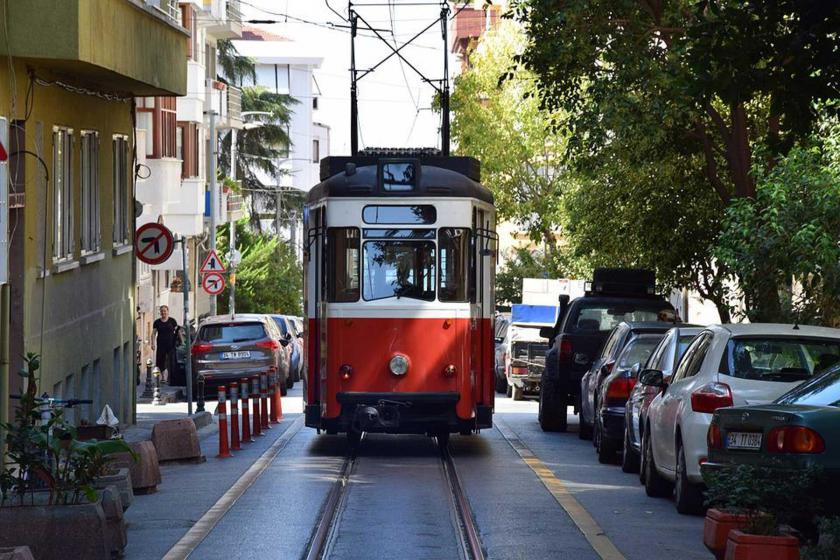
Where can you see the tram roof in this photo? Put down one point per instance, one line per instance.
(440, 176)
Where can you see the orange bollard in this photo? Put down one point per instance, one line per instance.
(224, 450)
(246, 418)
(234, 418)
(272, 404)
(264, 402)
(255, 395)
(278, 395)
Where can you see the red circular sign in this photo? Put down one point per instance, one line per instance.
(153, 243)
(213, 283)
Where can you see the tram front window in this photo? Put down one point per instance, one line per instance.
(399, 269)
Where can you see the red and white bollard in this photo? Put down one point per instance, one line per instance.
(224, 450)
(278, 397)
(246, 418)
(264, 402)
(272, 405)
(255, 396)
(234, 418)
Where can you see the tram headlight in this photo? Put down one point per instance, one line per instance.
(346, 371)
(398, 365)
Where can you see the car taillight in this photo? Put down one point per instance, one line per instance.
(713, 439)
(711, 397)
(794, 439)
(201, 348)
(565, 349)
(620, 388)
(268, 344)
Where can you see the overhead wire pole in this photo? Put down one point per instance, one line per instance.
(444, 98)
(354, 98)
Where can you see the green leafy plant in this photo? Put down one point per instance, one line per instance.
(771, 498)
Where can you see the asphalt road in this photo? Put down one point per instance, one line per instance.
(397, 502)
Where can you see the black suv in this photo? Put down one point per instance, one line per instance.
(615, 295)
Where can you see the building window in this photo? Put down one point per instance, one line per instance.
(158, 117)
(209, 61)
(316, 151)
(121, 189)
(188, 22)
(315, 103)
(91, 235)
(63, 194)
(188, 149)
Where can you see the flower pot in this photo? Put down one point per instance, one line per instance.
(716, 529)
(56, 532)
(741, 546)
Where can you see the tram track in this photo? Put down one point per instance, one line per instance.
(326, 531)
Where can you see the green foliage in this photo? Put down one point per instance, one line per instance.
(770, 497)
(269, 279)
(47, 456)
(503, 125)
(828, 546)
(787, 236)
(234, 67)
(533, 264)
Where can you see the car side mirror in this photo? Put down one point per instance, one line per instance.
(652, 378)
(285, 341)
(288, 336)
(547, 332)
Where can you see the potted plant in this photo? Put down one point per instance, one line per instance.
(49, 481)
(753, 509)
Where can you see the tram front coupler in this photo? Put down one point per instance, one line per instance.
(383, 416)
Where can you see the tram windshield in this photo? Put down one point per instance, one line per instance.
(399, 269)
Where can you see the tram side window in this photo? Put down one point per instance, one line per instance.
(454, 264)
(343, 263)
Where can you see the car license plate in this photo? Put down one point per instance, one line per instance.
(235, 355)
(743, 440)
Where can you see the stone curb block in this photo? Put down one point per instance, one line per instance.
(116, 533)
(16, 553)
(145, 472)
(202, 419)
(176, 440)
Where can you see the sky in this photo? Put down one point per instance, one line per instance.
(394, 102)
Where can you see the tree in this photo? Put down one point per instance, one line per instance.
(503, 126)
(533, 264)
(714, 81)
(269, 278)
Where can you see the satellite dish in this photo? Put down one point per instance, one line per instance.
(138, 208)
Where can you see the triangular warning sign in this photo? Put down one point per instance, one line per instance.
(212, 264)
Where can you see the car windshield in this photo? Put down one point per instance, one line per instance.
(604, 317)
(637, 351)
(281, 324)
(401, 269)
(784, 359)
(820, 391)
(232, 332)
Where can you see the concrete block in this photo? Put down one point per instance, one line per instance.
(116, 534)
(56, 532)
(122, 480)
(145, 472)
(202, 419)
(176, 440)
(16, 553)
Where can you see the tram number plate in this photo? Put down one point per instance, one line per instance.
(743, 440)
(235, 355)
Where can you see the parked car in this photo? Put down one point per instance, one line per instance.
(724, 365)
(229, 348)
(289, 332)
(526, 348)
(614, 295)
(795, 432)
(664, 358)
(501, 354)
(603, 366)
(614, 390)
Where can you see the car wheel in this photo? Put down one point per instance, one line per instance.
(508, 390)
(585, 430)
(629, 458)
(283, 389)
(552, 412)
(605, 447)
(688, 497)
(656, 486)
(517, 393)
(501, 385)
(290, 382)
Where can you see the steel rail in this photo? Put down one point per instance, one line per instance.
(467, 530)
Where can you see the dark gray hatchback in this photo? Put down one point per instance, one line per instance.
(228, 348)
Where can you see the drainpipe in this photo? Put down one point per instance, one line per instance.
(214, 193)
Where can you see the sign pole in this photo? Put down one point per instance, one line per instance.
(186, 288)
(232, 269)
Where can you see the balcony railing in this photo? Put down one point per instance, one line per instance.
(169, 8)
(234, 11)
(234, 103)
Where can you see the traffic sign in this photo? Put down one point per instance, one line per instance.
(213, 283)
(212, 264)
(153, 243)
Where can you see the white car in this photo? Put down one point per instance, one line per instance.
(725, 365)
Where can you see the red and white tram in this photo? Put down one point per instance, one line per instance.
(399, 295)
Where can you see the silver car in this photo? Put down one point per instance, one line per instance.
(228, 348)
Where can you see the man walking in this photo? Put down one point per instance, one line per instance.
(164, 334)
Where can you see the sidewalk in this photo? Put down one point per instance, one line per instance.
(157, 521)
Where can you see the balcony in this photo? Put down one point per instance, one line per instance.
(225, 18)
(226, 101)
(161, 187)
(128, 46)
(235, 206)
(184, 212)
(169, 9)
